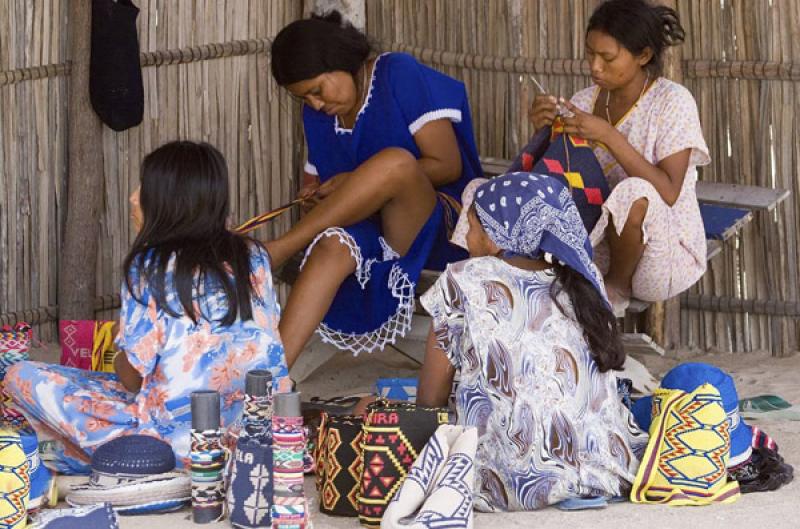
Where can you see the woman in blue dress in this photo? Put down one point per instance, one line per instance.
(390, 148)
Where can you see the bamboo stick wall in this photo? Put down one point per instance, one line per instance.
(230, 102)
(738, 62)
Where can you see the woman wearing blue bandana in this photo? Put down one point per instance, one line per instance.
(526, 326)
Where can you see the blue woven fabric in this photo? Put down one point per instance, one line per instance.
(251, 488)
(134, 455)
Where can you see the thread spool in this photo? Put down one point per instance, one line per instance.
(288, 442)
(207, 458)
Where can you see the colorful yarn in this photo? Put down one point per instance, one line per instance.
(288, 447)
(260, 220)
(14, 345)
(257, 415)
(207, 465)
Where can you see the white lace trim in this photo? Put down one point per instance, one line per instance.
(342, 130)
(395, 327)
(388, 251)
(362, 272)
(310, 168)
(453, 114)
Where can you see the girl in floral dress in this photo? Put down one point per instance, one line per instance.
(198, 312)
(650, 241)
(526, 325)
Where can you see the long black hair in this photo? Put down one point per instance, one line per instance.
(184, 201)
(592, 314)
(637, 25)
(310, 47)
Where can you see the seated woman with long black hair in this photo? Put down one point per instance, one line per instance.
(198, 312)
(526, 325)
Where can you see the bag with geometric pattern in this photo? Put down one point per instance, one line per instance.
(339, 463)
(686, 459)
(394, 435)
(15, 342)
(570, 159)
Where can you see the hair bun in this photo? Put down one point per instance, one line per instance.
(333, 17)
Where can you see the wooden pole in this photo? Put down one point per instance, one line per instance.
(77, 268)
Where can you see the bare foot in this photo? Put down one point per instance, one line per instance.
(619, 299)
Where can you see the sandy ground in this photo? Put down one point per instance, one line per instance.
(755, 374)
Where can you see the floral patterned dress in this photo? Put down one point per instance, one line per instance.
(81, 410)
(550, 423)
(663, 122)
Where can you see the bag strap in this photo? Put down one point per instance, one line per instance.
(648, 469)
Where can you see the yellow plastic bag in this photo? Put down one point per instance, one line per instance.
(103, 350)
(15, 481)
(687, 455)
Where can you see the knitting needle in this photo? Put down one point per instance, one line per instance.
(560, 109)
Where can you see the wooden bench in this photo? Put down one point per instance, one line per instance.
(726, 209)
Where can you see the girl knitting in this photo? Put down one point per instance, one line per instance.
(526, 325)
(650, 241)
(198, 312)
(390, 148)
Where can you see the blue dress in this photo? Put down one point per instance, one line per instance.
(373, 307)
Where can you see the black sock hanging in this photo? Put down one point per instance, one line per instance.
(115, 85)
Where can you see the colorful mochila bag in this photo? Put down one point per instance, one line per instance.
(686, 459)
(15, 342)
(570, 159)
(394, 434)
(87, 344)
(15, 481)
(103, 348)
(339, 463)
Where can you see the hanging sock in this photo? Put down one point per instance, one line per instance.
(116, 88)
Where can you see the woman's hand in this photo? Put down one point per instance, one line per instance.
(308, 194)
(543, 111)
(329, 186)
(585, 125)
(128, 375)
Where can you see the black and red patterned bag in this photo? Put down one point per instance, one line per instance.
(394, 433)
(338, 463)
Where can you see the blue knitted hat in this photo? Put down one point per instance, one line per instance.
(135, 474)
(688, 377)
(134, 455)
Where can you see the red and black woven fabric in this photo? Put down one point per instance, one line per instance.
(339, 463)
(570, 159)
(394, 435)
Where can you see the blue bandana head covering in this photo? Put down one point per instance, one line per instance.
(534, 216)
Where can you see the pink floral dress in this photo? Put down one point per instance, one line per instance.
(663, 122)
